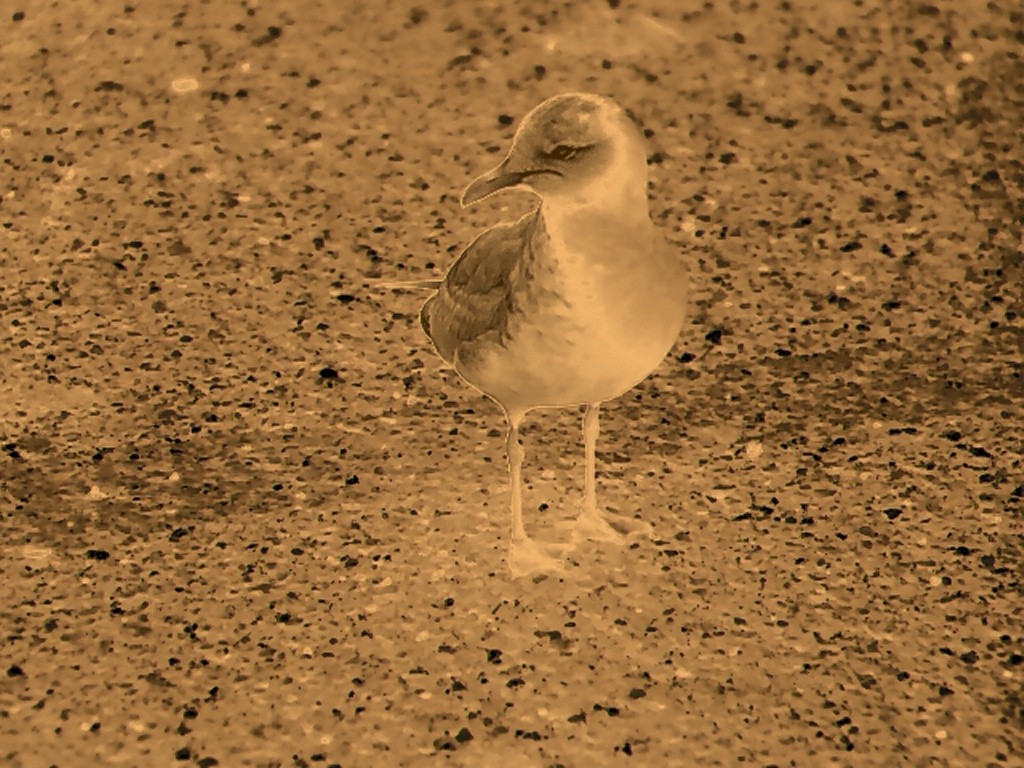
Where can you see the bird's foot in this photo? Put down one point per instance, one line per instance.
(593, 526)
(633, 527)
(527, 557)
(596, 526)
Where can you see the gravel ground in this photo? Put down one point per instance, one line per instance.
(250, 520)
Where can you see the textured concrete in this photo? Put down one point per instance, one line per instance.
(247, 518)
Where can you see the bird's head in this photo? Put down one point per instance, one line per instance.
(564, 146)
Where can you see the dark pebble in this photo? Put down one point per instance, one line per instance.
(272, 34)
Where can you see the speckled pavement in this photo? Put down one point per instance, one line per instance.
(249, 520)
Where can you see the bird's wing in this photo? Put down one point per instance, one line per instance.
(473, 302)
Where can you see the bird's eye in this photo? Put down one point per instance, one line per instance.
(564, 152)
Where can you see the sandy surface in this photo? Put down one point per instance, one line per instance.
(216, 551)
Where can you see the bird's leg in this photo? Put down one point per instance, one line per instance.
(515, 476)
(590, 523)
(525, 556)
(591, 431)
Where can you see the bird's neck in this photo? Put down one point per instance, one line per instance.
(607, 207)
(593, 237)
(605, 197)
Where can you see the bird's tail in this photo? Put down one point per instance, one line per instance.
(423, 284)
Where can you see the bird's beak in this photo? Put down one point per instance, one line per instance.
(501, 177)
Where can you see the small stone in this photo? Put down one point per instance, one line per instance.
(184, 85)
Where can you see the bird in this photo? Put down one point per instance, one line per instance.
(571, 305)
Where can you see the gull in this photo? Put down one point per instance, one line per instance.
(573, 304)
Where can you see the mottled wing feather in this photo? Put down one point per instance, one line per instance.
(472, 304)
